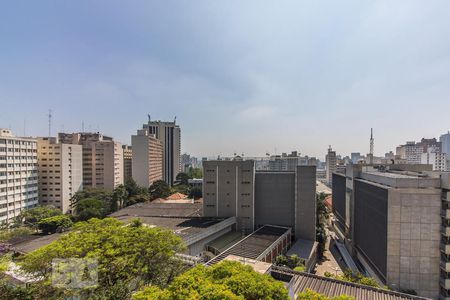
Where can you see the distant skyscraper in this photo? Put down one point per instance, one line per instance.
(127, 162)
(169, 133)
(147, 160)
(331, 164)
(355, 157)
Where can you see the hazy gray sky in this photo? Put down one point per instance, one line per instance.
(241, 76)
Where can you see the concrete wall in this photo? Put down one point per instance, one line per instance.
(275, 198)
(413, 240)
(305, 219)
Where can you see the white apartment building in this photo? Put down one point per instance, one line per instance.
(18, 175)
(435, 158)
(60, 172)
(102, 159)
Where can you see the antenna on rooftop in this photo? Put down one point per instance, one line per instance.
(149, 118)
(49, 123)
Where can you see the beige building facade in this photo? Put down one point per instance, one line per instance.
(18, 175)
(60, 169)
(147, 159)
(127, 162)
(102, 159)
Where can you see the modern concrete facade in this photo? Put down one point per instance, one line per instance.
(392, 220)
(60, 169)
(102, 159)
(127, 162)
(331, 165)
(147, 161)
(18, 175)
(169, 133)
(257, 198)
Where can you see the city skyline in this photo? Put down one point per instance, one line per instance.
(240, 78)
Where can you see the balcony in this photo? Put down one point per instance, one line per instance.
(445, 283)
(445, 231)
(445, 213)
(445, 266)
(445, 248)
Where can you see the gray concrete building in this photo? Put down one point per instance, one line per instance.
(127, 162)
(257, 198)
(169, 133)
(60, 169)
(393, 220)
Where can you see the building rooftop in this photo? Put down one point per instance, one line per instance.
(152, 209)
(253, 245)
(183, 227)
(34, 242)
(177, 196)
(300, 281)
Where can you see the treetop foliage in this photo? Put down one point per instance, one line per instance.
(227, 280)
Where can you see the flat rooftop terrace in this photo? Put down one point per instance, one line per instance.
(253, 245)
(152, 209)
(183, 227)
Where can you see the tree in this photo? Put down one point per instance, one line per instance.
(91, 208)
(183, 178)
(100, 194)
(312, 295)
(195, 173)
(349, 276)
(181, 188)
(127, 255)
(32, 216)
(53, 224)
(290, 262)
(120, 198)
(196, 193)
(159, 189)
(322, 216)
(225, 280)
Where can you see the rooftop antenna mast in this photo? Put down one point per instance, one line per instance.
(371, 146)
(49, 123)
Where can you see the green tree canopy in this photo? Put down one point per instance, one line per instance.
(159, 189)
(127, 255)
(183, 178)
(196, 193)
(53, 224)
(93, 193)
(195, 173)
(32, 216)
(227, 280)
(349, 276)
(91, 208)
(120, 198)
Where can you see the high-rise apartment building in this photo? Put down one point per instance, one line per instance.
(102, 159)
(127, 162)
(435, 158)
(412, 151)
(60, 169)
(147, 161)
(288, 162)
(169, 133)
(18, 175)
(233, 188)
(395, 221)
(331, 164)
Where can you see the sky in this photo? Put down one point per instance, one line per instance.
(251, 77)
